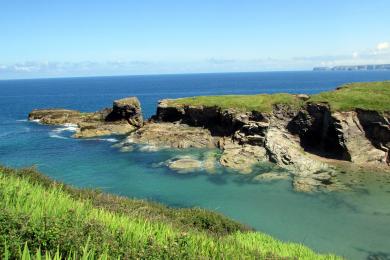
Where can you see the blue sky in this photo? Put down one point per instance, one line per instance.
(80, 38)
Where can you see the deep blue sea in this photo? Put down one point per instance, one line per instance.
(354, 224)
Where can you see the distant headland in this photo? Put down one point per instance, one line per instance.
(354, 67)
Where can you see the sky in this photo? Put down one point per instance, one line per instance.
(46, 38)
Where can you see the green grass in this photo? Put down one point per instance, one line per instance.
(369, 95)
(261, 102)
(39, 217)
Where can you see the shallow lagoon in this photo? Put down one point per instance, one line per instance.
(353, 223)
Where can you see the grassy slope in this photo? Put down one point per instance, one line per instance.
(370, 96)
(52, 216)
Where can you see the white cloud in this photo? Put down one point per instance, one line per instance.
(355, 55)
(383, 46)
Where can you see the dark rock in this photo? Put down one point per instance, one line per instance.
(319, 132)
(377, 129)
(128, 109)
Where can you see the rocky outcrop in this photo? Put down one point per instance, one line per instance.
(172, 135)
(296, 140)
(220, 122)
(358, 146)
(124, 117)
(377, 129)
(358, 136)
(284, 149)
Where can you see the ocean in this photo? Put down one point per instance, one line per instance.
(354, 224)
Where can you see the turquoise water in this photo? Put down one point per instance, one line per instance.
(355, 224)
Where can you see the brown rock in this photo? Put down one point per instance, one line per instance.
(172, 135)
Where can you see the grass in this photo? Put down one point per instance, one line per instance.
(261, 102)
(40, 217)
(368, 95)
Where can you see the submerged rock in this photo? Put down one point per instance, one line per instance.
(184, 164)
(271, 176)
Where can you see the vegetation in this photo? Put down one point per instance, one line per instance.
(261, 102)
(368, 95)
(41, 218)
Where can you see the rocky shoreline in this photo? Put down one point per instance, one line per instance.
(304, 141)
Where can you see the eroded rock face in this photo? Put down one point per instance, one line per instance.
(284, 149)
(360, 148)
(358, 136)
(123, 118)
(377, 129)
(219, 122)
(320, 132)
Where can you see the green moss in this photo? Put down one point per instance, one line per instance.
(367, 95)
(51, 217)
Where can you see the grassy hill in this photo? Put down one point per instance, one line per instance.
(365, 95)
(41, 217)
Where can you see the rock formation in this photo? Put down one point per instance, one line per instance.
(124, 117)
(294, 139)
(304, 141)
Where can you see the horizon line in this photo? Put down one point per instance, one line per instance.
(160, 74)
